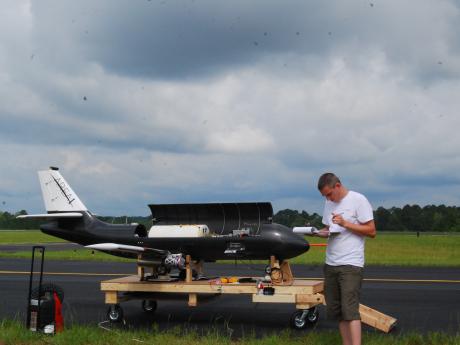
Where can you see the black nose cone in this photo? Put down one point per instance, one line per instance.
(295, 245)
(292, 244)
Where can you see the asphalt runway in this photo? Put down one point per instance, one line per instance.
(422, 299)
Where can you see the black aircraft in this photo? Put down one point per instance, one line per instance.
(206, 232)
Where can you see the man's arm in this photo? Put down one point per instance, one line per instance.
(363, 229)
(324, 232)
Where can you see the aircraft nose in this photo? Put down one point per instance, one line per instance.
(296, 245)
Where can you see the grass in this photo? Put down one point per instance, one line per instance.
(13, 333)
(385, 249)
(397, 249)
(79, 254)
(431, 250)
(26, 236)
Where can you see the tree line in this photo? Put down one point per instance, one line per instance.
(430, 218)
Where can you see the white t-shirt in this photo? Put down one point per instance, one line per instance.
(343, 246)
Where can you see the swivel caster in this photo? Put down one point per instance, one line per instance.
(149, 306)
(115, 313)
(304, 318)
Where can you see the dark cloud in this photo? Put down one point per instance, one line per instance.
(190, 39)
(183, 39)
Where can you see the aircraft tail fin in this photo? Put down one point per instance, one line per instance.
(57, 193)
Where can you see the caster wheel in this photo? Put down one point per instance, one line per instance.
(149, 306)
(115, 313)
(313, 316)
(302, 319)
(268, 269)
(162, 270)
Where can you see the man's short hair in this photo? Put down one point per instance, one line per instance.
(327, 179)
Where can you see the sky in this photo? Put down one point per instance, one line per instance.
(178, 101)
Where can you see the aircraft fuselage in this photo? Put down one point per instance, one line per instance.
(272, 239)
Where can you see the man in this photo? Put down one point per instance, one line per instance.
(348, 218)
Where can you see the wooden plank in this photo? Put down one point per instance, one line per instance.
(188, 269)
(178, 287)
(111, 297)
(132, 283)
(304, 306)
(192, 300)
(308, 286)
(281, 274)
(298, 282)
(200, 288)
(276, 298)
(300, 287)
(286, 272)
(376, 319)
(140, 269)
(276, 274)
(141, 272)
(310, 299)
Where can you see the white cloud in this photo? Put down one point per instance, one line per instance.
(241, 139)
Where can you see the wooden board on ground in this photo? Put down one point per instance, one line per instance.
(376, 319)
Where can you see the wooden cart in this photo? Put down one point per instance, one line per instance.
(305, 294)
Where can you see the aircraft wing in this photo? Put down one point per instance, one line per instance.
(52, 215)
(124, 248)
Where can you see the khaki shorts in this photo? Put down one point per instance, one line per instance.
(342, 287)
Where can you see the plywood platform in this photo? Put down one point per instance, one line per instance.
(132, 283)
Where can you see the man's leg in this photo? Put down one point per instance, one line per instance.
(332, 293)
(355, 331)
(350, 332)
(345, 332)
(350, 284)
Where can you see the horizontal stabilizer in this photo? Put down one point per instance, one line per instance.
(124, 248)
(52, 215)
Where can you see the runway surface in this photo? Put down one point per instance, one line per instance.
(422, 299)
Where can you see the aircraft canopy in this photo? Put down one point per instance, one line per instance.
(221, 218)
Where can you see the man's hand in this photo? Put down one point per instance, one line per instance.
(324, 232)
(338, 219)
(363, 229)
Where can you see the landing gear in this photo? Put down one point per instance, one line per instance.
(302, 319)
(162, 270)
(183, 274)
(268, 270)
(115, 313)
(149, 306)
